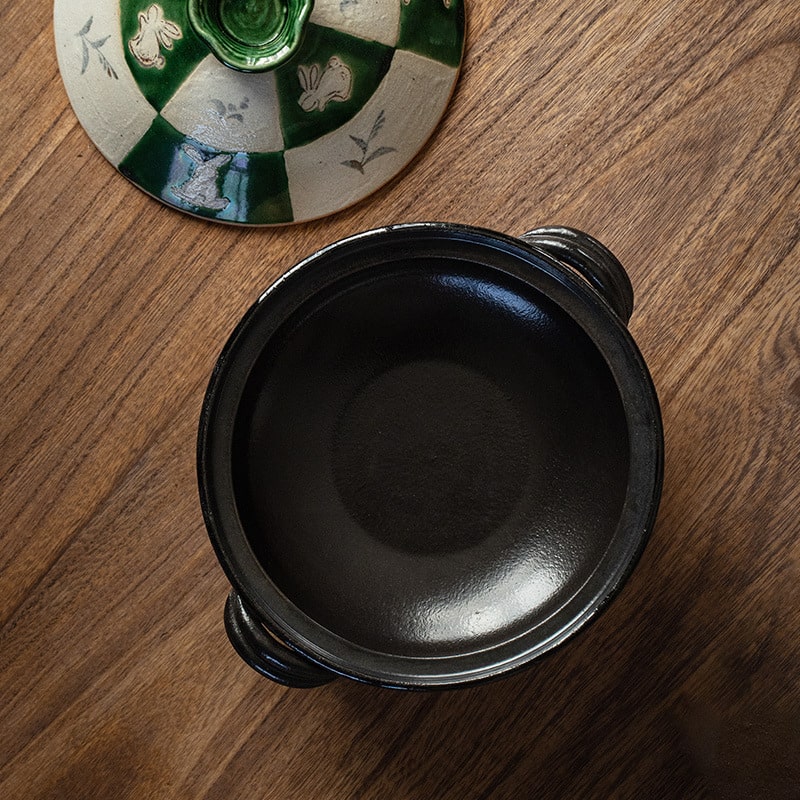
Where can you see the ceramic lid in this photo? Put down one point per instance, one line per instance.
(260, 112)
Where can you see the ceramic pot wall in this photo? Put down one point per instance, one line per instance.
(428, 455)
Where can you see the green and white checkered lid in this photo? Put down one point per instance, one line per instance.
(259, 112)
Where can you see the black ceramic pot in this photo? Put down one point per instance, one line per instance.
(428, 455)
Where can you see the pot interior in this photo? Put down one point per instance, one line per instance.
(430, 458)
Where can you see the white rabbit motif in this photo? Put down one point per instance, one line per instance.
(334, 84)
(155, 32)
(201, 188)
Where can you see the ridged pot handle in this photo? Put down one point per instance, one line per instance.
(592, 259)
(265, 654)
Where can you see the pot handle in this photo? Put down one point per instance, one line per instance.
(591, 259)
(265, 654)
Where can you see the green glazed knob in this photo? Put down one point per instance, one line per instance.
(251, 35)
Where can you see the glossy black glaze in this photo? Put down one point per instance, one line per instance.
(264, 654)
(429, 454)
(593, 260)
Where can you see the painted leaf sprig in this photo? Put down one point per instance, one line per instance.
(377, 125)
(85, 63)
(364, 145)
(97, 46)
(361, 143)
(230, 110)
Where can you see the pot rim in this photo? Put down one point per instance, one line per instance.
(349, 256)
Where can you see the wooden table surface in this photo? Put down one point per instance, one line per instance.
(671, 131)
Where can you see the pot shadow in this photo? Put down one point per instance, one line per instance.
(532, 733)
(662, 690)
(553, 729)
(683, 685)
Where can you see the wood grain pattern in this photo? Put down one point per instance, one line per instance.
(670, 130)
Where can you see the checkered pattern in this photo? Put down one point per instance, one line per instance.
(285, 145)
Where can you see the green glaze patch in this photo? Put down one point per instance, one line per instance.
(434, 29)
(327, 83)
(161, 48)
(267, 190)
(149, 163)
(233, 187)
